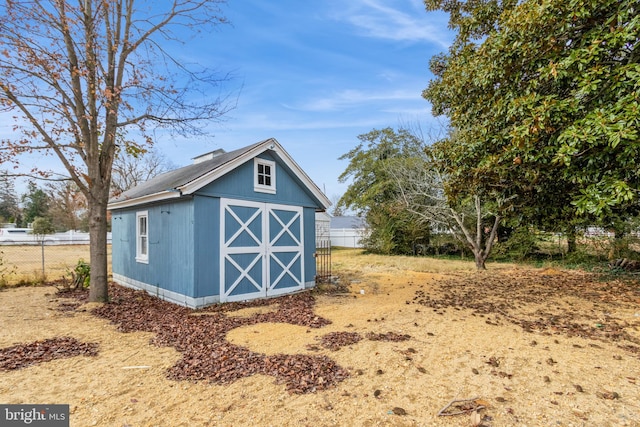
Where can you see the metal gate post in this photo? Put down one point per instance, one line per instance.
(323, 261)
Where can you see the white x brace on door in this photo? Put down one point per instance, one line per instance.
(261, 249)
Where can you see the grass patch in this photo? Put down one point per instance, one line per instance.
(355, 262)
(24, 266)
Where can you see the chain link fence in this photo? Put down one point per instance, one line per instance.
(29, 262)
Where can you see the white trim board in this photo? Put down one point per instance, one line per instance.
(164, 294)
(177, 298)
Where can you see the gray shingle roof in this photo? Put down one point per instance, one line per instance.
(170, 181)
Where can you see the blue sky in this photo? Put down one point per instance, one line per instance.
(314, 75)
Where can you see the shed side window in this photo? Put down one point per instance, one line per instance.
(264, 176)
(142, 237)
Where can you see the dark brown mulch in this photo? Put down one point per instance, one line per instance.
(201, 338)
(336, 340)
(303, 373)
(389, 336)
(23, 355)
(68, 306)
(571, 304)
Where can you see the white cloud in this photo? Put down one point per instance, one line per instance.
(380, 19)
(350, 98)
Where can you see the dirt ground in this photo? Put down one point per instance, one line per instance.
(529, 347)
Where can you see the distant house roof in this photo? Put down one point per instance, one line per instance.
(338, 222)
(189, 179)
(323, 216)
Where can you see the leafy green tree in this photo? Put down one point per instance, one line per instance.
(543, 99)
(373, 192)
(42, 227)
(35, 203)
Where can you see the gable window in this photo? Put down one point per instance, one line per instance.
(142, 237)
(264, 176)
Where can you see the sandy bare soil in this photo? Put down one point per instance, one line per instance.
(530, 347)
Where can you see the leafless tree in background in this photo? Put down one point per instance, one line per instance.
(67, 206)
(77, 74)
(422, 191)
(129, 170)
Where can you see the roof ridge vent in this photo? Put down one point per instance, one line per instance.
(208, 156)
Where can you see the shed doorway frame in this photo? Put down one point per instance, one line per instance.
(261, 249)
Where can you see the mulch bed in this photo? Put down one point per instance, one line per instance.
(24, 355)
(389, 336)
(336, 340)
(543, 303)
(68, 306)
(201, 338)
(200, 335)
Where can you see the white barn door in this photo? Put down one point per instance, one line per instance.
(261, 249)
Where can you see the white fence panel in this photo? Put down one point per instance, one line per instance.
(347, 237)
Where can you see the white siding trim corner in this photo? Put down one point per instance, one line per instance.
(164, 294)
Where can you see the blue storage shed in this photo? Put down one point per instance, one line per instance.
(231, 227)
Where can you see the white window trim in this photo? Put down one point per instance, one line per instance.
(271, 189)
(140, 257)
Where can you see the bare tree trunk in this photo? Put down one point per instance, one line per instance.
(571, 240)
(480, 253)
(98, 289)
(480, 261)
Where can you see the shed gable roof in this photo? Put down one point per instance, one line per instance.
(189, 179)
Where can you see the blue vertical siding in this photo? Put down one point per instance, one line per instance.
(170, 228)
(309, 215)
(238, 184)
(123, 228)
(173, 249)
(206, 246)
